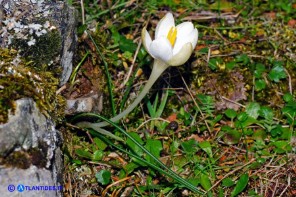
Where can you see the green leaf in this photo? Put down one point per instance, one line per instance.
(127, 55)
(127, 45)
(255, 165)
(277, 131)
(103, 177)
(98, 155)
(100, 144)
(259, 135)
(227, 182)
(205, 181)
(221, 5)
(287, 7)
(83, 153)
(124, 43)
(253, 193)
(115, 35)
(232, 137)
(174, 146)
(248, 132)
(194, 180)
(189, 146)
(260, 68)
(216, 119)
(252, 109)
(287, 133)
(243, 59)
(162, 103)
(282, 147)
(154, 147)
(290, 112)
(266, 112)
(244, 120)
(288, 97)
(206, 146)
(213, 63)
(220, 192)
(133, 146)
(77, 161)
(242, 117)
(150, 108)
(127, 169)
(230, 113)
(230, 65)
(277, 72)
(260, 84)
(204, 50)
(240, 185)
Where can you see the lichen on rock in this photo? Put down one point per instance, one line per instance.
(33, 34)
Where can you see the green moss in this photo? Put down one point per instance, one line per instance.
(25, 80)
(43, 52)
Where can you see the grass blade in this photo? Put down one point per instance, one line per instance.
(109, 82)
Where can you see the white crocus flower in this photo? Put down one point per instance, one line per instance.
(172, 44)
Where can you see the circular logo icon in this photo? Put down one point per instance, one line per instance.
(11, 188)
(20, 187)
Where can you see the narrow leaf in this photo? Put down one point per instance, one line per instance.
(83, 153)
(162, 103)
(240, 185)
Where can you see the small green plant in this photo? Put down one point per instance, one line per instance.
(155, 110)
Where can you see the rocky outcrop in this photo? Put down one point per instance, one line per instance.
(30, 150)
(42, 32)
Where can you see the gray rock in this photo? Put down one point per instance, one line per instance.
(28, 129)
(93, 103)
(68, 26)
(27, 182)
(30, 151)
(25, 24)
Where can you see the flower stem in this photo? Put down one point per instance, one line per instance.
(158, 68)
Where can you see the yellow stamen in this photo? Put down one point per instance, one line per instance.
(172, 35)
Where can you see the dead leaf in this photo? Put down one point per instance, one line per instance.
(292, 23)
(172, 117)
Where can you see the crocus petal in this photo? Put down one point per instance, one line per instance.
(161, 49)
(146, 39)
(183, 38)
(182, 56)
(184, 28)
(164, 25)
(195, 38)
